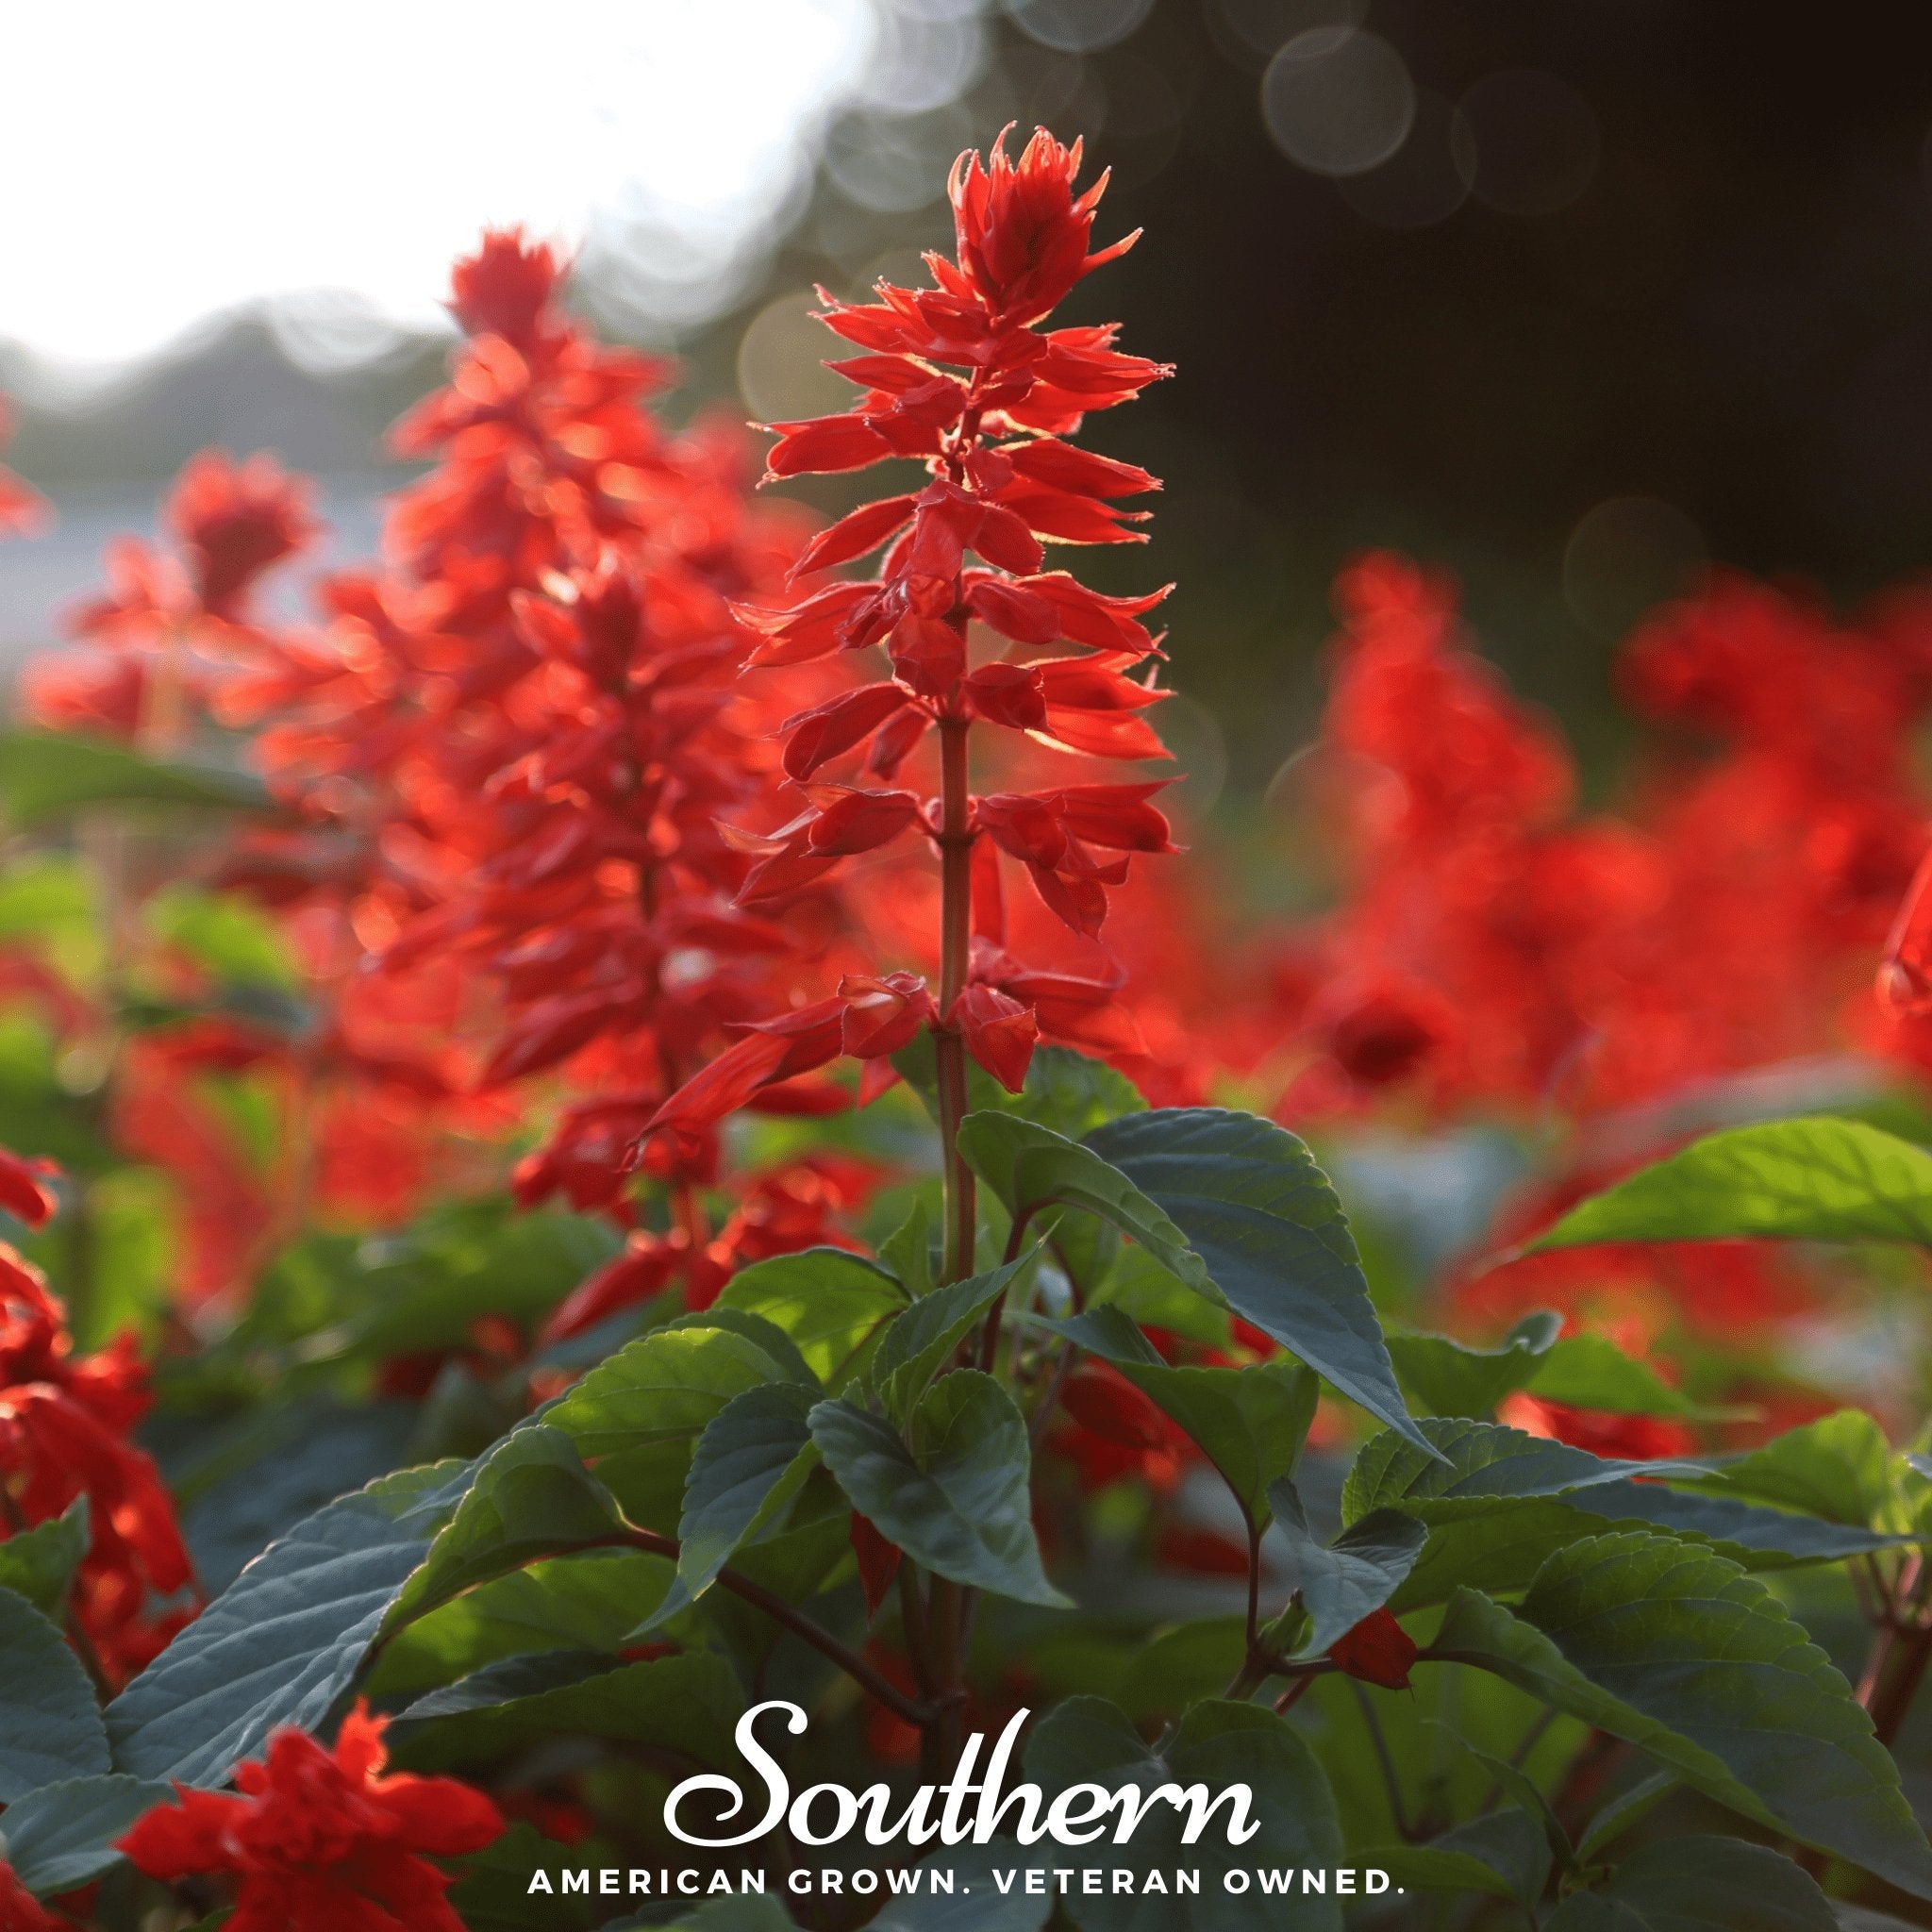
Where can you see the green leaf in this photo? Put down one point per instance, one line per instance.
(229, 937)
(1676, 1650)
(757, 1329)
(1089, 1740)
(975, 1904)
(1029, 1167)
(1073, 1093)
(1341, 1583)
(1837, 1468)
(1475, 1463)
(829, 1302)
(1591, 1372)
(1700, 1885)
(1818, 1180)
(751, 1460)
(39, 1563)
(492, 1889)
(531, 1497)
(636, 1415)
(1502, 1855)
(1448, 1377)
(957, 1501)
(1625, 1811)
(687, 1704)
(284, 1641)
(62, 1836)
(1250, 1422)
(908, 1251)
(1181, 1666)
(50, 1726)
(1268, 1228)
(918, 1342)
(44, 776)
(591, 1601)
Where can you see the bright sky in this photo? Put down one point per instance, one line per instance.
(165, 159)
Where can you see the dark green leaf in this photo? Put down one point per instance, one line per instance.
(492, 1889)
(44, 776)
(591, 1601)
(531, 1496)
(1837, 1468)
(1029, 1167)
(1183, 1665)
(1591, 1372)
(1447, 1377)
(975, 1904)
(1339, 1583)
(957, 1501)
(50, 1726)
(1271, 1234)
(829, 1302)
(1625, 1811)
(1502, 1855)
(918, 1342)
(283, 1642)
(62, 1836)
(751, 1460)
(1817, 1180)
(1088, 1741)
(908, 1251)
(1676, 1650)
(1700, 1885)
(39, 1563)
(687, 1704)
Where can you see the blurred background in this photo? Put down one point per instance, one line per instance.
(1569, 297)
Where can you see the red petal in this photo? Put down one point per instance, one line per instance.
(999, 1032)
(1061, 466)
(825, 444)
(862, 530)
(1378, 1651)
(830, 728)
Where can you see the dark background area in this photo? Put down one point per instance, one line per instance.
(1672, 250)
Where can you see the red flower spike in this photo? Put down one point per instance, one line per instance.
(321, 1839)
(1904, 973)
(965, 549)
(23, 1191)
(1378, 1651)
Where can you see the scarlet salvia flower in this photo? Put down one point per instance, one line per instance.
(177, 623)
(20, 1910)
(64, 1426)
(961, 378)
(322, 1841)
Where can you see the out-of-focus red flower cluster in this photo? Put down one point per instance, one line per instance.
(22, 508)
(64, 1426)
(322, 1841)
(1003, 478)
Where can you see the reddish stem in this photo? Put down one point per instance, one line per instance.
(955, 932)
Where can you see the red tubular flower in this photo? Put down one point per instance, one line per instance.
(322, 1841)
(1378, 1651)
(961, 378)
(64, 1422)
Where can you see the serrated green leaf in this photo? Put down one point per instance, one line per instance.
(50, 1726)
(636, 1417)
(908, 1251)
(1089, 1740)
(831, 1304)
(1270, 1232)
(1030, 1168)
(1816, 1179)
(284, 1641)
(1181, 1666)
(43, 775)
(688, 1702)
(1448, 1377)
(959, 1500)
(492, 1889)
(918, 1342)
(1700, 1885)
(1681, 1653)
(753, 1457)
(39, 1563)
(1837, 1468)
(1250, 1422)
(61, 1836)
(530, 1496)
(1341, 1583)
(591, 1601)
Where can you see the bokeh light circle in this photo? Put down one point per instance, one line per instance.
(1626, 555)
(1262, 25)
(1338, 102)
(1420, 184)
(1079, 27)
(781, 373)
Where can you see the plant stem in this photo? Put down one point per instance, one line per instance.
(955, 930)
(1398, 1810)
